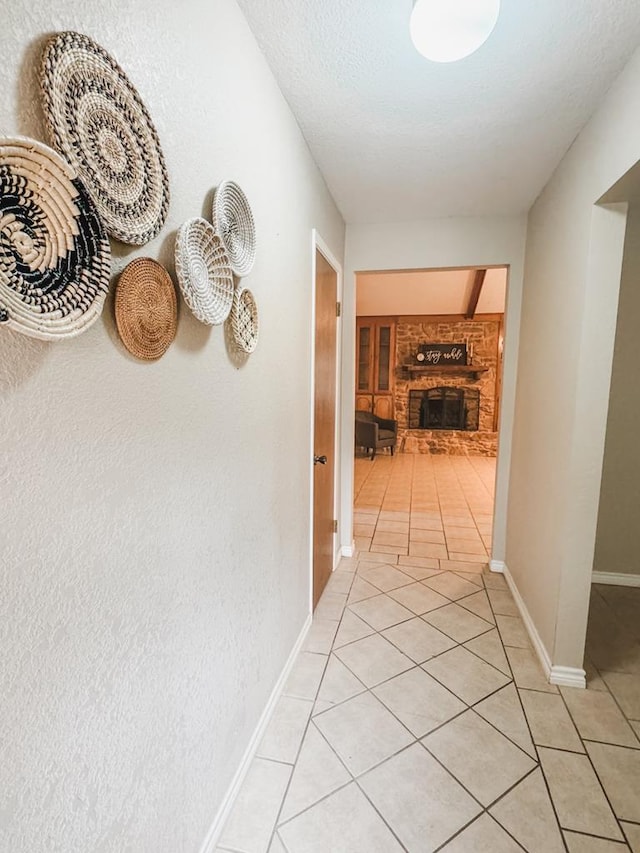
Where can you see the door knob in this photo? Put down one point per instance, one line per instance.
(319, 460)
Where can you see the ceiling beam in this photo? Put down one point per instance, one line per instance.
(476, 290)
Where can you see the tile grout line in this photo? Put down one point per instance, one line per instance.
(421, 616)
(486, 811)
(535, 747)
(308, 723)
(593, 767)
(474, 520)
(493, 626)
(613, 696)
(378, 812)
(418, 740)
(444, 686)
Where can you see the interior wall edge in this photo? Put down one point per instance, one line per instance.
(602, 282)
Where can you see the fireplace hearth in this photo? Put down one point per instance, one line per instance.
(444, 408)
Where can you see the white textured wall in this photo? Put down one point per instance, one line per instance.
(433, 244)
(570, 298)
(154, 527)
(617, 533)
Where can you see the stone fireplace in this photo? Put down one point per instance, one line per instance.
(448, 411)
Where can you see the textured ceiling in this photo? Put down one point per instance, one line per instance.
(400, 138)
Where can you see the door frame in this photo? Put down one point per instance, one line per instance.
(319, 245)
(510, 336)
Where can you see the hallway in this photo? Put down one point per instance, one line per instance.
(416, 718)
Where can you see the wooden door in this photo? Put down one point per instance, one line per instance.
(324, 424)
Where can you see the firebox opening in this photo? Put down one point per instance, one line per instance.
(444, 408)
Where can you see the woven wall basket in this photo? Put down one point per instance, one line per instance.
(204, 272)
(244, 320)
(55, 258)
(97, 120)
(146, 309)
(233, 222)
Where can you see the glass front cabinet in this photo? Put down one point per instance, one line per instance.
(375, 365)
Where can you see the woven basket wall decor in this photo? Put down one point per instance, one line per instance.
(146, 309)
(244, 320)
(233, 222)
(55, 257)
(97, 120)
(203, 270)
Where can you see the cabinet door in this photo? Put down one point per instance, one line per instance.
(383, 406)
(375, 365)
(384, 358)
(384, 368)
(365, 356)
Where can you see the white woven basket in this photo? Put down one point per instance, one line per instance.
(97, 119)
(244, 320)
(203, 271)
(55, 257)
(233, 222)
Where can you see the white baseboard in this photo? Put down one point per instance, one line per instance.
(349, 550)
(568, 676)
(615, 578)
(535, 638)
(497, 566)
(213, 836)
(563, 675)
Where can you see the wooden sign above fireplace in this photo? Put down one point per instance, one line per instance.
(431, 355)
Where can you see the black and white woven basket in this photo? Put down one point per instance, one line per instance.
(97, 119)
(55, 257)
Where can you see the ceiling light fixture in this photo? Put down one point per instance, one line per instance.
(448, 30)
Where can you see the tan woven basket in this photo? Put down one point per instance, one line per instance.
(146, 309)
(244, 320)
(97, 119)
(55, 257)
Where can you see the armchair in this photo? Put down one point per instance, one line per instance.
(375, 433)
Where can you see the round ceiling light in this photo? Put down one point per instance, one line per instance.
(448, 30)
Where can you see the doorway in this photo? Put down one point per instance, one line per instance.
(324, 421)
(429, 362)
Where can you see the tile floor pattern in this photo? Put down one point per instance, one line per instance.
(613, 646)
(447, 501)
(416, 717)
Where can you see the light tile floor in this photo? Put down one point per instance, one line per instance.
(417, 718)
(438, 507)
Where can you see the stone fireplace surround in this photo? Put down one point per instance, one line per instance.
(484, 335)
